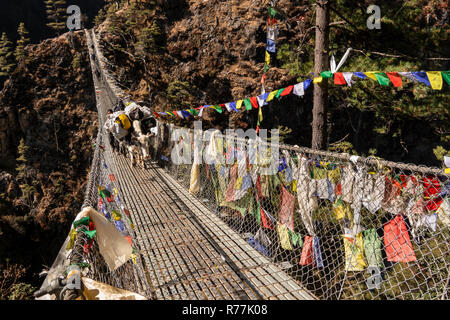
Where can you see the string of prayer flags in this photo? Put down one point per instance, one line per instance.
(433, 79)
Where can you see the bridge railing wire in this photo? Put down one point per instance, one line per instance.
(85, 252)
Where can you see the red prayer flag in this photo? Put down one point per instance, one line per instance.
(129, 240)
(431, 192)
(286, 214)
(306, 258)
(126, 211)
(395, 79)
(112, 178)
(263, 78)
(287, 91)
(254, 102)
(266, 222)
(397, 242)
(339, 78)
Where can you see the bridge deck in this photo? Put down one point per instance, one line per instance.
(188, 252)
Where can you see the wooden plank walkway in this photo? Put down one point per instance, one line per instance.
(188, 252)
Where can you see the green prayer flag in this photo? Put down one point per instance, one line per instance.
(83, 221)
(272, 12)
(280, 91)
(372, 248)
(266, 67)
(90, 234)
(446, 76)
(258, 214)
(382, 78)
(296, 239)
(218, 109)
(103, 192)
(194, 112)
(326, 74)
(248, 104)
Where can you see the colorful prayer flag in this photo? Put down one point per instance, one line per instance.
(354, 253)
(422, 77)
(306, 258)
(326, 74)
(446, 76)
(435, 79)
(397, 242)
(395, 79)
(371, 75)
(283, 233)
(287, 91)
(254, 102)
(267, 59)
(382, 78)
(248, 104)
(271, 95)
(360, 75)
(317, 80)
(339, 79)
(299, 89)
(271, 47)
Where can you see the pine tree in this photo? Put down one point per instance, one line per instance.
(21, 43)
(56, 11)
(6, 53)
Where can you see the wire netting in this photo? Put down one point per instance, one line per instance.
(361, 229)
(85, 251)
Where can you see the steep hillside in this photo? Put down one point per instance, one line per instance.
(48, 120)
(185, 53)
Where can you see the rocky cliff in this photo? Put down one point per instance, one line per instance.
(47, 123)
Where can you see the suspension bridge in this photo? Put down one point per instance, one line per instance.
(281, 237)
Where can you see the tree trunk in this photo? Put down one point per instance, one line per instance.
(319, 125)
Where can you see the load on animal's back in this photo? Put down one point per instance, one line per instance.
(132, 125)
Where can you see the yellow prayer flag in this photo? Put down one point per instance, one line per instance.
(371, 75)
(260, 115)
(317, 80)
(272, 95)
(294, 185)
(354, 253)
(435, 79)
(267, 58)
(239, 104)
(447, 170)
(284, 236)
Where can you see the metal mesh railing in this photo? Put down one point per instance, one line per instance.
(85, 252)
(346, 229)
